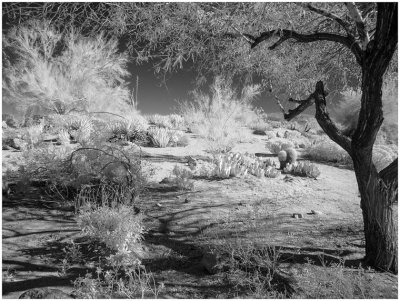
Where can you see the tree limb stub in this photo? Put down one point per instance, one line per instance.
(360, 23)
(285, 34)
(389, 176)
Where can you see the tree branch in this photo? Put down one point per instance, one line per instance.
(303, 104)
(322, 116)
(286, 34)
(345, 25)
(360, 23)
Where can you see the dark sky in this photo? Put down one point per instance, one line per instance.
(155, 97)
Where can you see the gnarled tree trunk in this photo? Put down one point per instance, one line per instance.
(378, 196)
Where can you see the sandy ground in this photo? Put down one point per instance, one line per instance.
(186, 222)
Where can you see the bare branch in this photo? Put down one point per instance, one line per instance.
(321, 114)
(360, 23)
(345, 25)
(326, 123)
(304, 104)
(286, 34)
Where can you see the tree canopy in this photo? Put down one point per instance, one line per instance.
(216, 37)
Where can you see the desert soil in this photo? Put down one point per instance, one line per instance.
(183, 224)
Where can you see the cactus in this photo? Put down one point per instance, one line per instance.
(291, 155)
(237, 165)
(282, 156)
(303, 169)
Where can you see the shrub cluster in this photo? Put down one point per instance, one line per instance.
(218, 116)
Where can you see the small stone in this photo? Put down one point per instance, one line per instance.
(297, 215)
(159, 205)
(166, 180)
(187, 201)
(45, 293)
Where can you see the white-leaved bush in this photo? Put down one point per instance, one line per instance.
(119, 228)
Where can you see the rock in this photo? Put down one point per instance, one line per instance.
(210, 262)
(259, 132)
(187, 200)
(316, 212)
(297, 215)
(302, 145)
(167, 180)
(45, 293)
(20, 144)
(280, 134)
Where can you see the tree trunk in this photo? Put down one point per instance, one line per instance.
(380, 217)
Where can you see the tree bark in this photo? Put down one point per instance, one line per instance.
(378, 196)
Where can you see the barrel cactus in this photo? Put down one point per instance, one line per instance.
(282, 156)
(291, 155)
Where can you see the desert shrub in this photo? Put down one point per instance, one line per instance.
(260, 126)
(325, 150)
(183, 141)
(303, 169)
(346, 113)
(160, 121)
(63, 137)
(82, 75)
(217, 116)
(118, 228)
(94, 174)
(9, 120)
(132, 129)
(237, 165)
(275, 124)
(383, 155)
(175, 137)
(122, 279)
(334, 281)
(277, 144)
(176, 121)
(33, 135)
(182, 178)
(252, 270)
(160, 137)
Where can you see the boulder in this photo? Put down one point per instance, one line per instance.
(210, 262)
(45, 293)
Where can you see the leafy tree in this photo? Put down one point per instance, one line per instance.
(292, 46)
